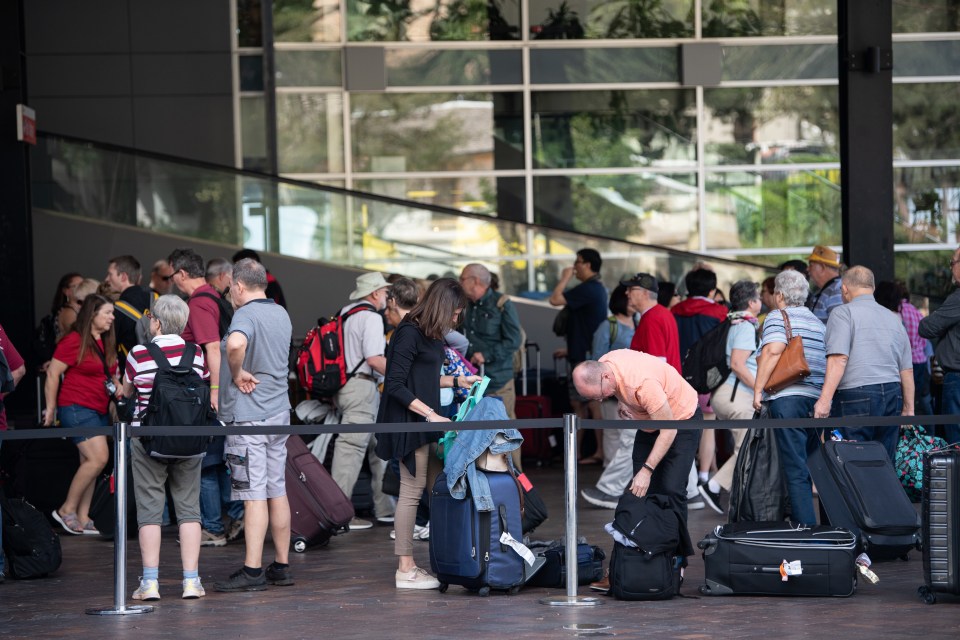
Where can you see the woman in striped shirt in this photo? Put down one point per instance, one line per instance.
(167, 321)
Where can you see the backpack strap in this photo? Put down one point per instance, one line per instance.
(157, 354)
(363, 306)
(128, 310)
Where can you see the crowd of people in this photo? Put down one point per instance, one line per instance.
(412, 349)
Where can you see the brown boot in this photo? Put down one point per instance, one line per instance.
(603, 585)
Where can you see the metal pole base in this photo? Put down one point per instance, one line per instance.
(587, 626)
(571, 601)
(122, 611)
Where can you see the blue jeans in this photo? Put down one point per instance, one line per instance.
(214, 493)
(922, 403)
(951, 405)
(795, 446)
(872, 400)
(76, 416)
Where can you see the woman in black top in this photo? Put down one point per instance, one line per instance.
(411, 393)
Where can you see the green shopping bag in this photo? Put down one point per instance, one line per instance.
(476, 393)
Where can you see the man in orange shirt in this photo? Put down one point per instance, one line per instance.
(647, 388)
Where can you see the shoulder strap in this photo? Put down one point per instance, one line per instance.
(103, 358)
(157, 354)
(786, 324)
(502, 301)
(364, 306)
(128, 310)
(614, 328)
(189, 354)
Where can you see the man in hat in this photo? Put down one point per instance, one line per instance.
(359, 399)
(657, 336)
(824, 271)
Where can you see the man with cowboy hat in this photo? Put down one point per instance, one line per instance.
(824, 270)
(359, 399)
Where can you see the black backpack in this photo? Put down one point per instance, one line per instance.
(32, 548)
(226, 311)
(180, 398)
(705, 365)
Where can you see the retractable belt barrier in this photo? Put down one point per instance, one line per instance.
(570, 423)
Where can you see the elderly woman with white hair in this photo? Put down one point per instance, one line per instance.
(167, 321)
(795, 401)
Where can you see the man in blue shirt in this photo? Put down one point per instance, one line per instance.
(586, 305)
(824, 271)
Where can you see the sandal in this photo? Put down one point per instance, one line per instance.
(90, 529)
(69, 523)
(590, 460)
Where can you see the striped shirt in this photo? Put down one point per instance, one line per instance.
(910, 316)
(141, 368)
(806, 325)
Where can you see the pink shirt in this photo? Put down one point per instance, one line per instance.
(645, 383)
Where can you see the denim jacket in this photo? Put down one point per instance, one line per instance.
(460, 465)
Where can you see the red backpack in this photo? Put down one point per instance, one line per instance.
(321, 364)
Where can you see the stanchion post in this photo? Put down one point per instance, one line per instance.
(120, 607)
(570, 424)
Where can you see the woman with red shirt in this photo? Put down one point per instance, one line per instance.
(87, 359)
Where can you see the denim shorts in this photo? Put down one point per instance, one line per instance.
(74, 415)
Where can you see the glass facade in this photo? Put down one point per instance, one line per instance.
(486, 106)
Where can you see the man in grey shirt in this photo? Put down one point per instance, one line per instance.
(869, 364)
(943, 325)
(253, 374)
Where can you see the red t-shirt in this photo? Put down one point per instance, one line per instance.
(203, 325)
(14, 360)
(657, 335)
(82, 383)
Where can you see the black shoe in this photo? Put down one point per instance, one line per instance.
(710, 497)
(242, 581)
(277, 576)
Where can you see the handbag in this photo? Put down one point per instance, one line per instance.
(792, 366)
(913, 444)
(560, 322)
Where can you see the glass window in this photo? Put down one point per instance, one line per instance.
(249, 25)
(577, 19)
(614, 128)
(310, 133)
(910, 16)
(489, 195)
(926, 274)
(649, 208)
(926, 121)
(253, 134)
(740, 18)
(251, 73)
(403, 20)
(308, 68)
(926, 204)
(772, 125)
(934, 58)
(437, 132)
(582, 66)
(780, 62)
(452, 67)
(773, 209)
(306, 20)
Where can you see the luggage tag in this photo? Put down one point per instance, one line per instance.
(522, 550)
(788, 569)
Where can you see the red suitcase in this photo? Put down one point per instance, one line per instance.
(538, 444)
(318, 508)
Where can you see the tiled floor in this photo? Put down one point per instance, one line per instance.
(346, 591)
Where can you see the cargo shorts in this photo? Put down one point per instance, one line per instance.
(257, 463)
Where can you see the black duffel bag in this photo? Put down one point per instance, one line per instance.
(554, 571)
(32, 548)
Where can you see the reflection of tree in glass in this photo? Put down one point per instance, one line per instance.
(724, 19)
(293, 20)
(562, 24)
(379, 20)
(471, 20)
(640, 19)
(910, 16)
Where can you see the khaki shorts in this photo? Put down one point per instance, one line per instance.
(150, 477)
(257, 463)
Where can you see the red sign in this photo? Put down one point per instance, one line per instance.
(26, 124)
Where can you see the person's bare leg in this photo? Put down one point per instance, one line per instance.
(255, 519)
(279, 510)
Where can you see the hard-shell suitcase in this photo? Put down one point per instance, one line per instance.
(318, 507)
(941, 524)
(859, 490)
(465, 544)
(747, 558)
(538, 444)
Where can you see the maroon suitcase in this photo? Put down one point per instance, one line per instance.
(538, 444)
(318, 507)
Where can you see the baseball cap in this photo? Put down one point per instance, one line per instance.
(644, 281)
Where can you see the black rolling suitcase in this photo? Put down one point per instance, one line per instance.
(941, 524)
(746, 558)
(859, 490)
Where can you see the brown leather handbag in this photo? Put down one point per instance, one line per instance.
(792, 367)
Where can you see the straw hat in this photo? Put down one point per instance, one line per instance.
(824, 255)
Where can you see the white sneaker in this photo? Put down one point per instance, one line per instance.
(148, 590)
(416, 579)
(694, 505)
(419, 533)
(356, 524)
(192, 589)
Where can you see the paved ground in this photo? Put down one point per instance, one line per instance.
(346, 591)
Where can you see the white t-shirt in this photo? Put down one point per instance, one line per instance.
(363, 338)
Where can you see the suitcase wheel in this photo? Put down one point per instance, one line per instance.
(484, 592)
(512, 591)
(927, 595)
(443, 587)
(299, 544)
